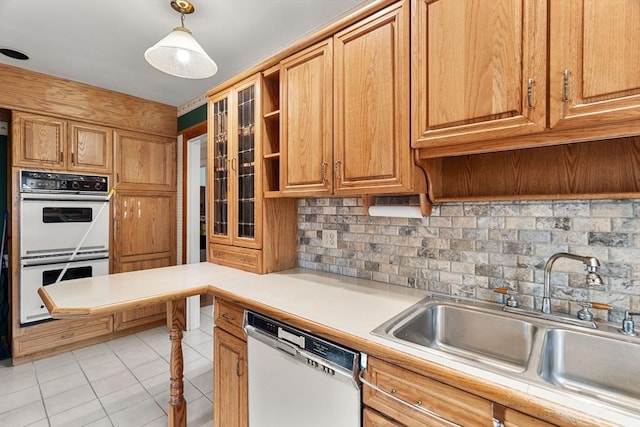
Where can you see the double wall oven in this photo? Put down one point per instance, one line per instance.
(64, 233)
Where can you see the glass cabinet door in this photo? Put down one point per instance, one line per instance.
(246, 221)
(233, 149)
(220, 173)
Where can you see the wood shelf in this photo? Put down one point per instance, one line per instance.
(272, 156)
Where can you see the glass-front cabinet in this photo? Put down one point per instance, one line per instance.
(233, 145)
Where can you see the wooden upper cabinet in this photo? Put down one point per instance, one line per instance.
(235, 173)
(91, 148)
(56, 144)
(145, 161)
(478, 70)
(39, 141)
(306, 109)
(371, 105)
(344, 109)
(594, 62)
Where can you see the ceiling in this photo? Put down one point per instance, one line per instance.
(102, 42)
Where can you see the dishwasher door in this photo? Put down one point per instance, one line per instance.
(290, 387)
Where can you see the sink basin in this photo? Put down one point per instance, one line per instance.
(475, 334)
(605, 368)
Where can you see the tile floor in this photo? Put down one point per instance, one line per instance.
(124, 382)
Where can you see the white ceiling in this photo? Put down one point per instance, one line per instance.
(102, 42)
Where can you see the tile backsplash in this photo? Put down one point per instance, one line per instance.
(467, 249)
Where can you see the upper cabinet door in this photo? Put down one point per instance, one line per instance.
(39, 141)
(594, 62)
(145, 161)
(371, 112)
(91, 148)
(306, 107)
(219, 164)
(245, 167)
(478, 70)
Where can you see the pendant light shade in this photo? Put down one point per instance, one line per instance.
(179, 54)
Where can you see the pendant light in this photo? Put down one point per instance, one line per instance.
(179, 54)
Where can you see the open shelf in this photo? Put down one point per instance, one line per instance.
(271, 132)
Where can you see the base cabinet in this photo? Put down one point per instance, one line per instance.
(230, 382)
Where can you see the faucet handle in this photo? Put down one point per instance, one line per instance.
(600, 306)
(512, 300)
(627, 323)
(585, 314)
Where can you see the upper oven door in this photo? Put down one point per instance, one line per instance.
(52, 224)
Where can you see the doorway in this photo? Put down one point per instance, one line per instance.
(196, 215)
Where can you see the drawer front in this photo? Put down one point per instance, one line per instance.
(371, 418)
(88, 329)
(229, 317)
(420, 392)
(240, 258)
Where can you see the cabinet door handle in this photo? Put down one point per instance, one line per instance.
(565, 86)
(336, 168)
(239, 369)
(233, 164)
(73, 158)
(61, 156)
(228, 317)
(323, 170)
(139, 210)
(530, 93)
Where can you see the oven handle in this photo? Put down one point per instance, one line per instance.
(39, 263)
(42, 198)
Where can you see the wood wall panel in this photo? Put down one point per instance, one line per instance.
(29, 91)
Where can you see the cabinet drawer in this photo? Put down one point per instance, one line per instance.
(418, 391)
(31, 343)
(241, 258)
(371, 418)
(229, 317)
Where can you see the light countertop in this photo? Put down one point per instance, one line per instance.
(349, 305)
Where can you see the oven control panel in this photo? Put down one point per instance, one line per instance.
(56, 182)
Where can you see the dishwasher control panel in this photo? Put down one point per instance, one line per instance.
(317, 346)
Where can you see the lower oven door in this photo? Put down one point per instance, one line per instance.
(35, 275)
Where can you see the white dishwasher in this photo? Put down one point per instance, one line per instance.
(297, 379)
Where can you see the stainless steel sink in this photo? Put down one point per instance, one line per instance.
(483, 336)
(598, 364)
(602, 367)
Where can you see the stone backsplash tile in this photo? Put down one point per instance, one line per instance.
(468, 249)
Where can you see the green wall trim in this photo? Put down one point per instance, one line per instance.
(4, 174)
(192, 118)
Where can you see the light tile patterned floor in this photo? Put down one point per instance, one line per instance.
(124, 382)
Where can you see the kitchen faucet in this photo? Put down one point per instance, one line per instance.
(592, 275)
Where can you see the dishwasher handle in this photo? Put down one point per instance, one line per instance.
(286, 348)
